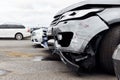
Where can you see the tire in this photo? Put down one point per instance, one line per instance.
(109, 42)
(18, 36)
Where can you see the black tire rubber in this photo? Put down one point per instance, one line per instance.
(110, 41)
(17, 35)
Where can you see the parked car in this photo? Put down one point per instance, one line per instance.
(14, 31)
(116, 59)
(39, 37)
(87, 33)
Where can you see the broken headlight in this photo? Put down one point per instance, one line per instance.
(79, 13)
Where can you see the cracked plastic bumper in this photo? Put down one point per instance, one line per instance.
(71, 65)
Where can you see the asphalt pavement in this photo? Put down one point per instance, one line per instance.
(21, 60)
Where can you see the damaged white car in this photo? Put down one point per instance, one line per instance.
(39, 37)
(87, 33)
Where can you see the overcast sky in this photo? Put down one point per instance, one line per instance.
(31, 12)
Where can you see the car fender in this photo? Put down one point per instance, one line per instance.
(110, 15)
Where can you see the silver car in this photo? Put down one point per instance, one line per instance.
(87, 33)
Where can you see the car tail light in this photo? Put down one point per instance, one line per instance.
(28, 30)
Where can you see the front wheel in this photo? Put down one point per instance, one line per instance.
(18, 36)
(109, 43)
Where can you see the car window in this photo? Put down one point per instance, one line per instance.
(12, 27)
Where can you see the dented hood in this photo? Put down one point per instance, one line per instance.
(89, 2)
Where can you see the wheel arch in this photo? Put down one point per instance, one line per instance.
(95, 38)
(110, 15)
(18, 33)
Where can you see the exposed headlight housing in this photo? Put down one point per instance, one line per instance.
(79, 13)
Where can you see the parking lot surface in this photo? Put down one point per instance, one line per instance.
(20, 60)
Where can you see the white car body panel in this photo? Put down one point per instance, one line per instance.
(10, 33)
(38, 36)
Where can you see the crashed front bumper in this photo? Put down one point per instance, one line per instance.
(70, 64)
(82, 31)
(36, 39)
